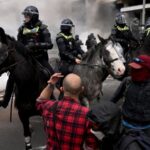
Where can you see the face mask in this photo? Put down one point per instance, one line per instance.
(27, 19)
(140, 75)
(100, 135)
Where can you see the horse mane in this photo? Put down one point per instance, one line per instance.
(11, 38)
(17, 45)
(89, 55)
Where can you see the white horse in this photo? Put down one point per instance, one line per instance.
(96, 65)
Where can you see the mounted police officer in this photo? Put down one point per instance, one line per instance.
(121, 33)
(68, 51)
(37, 39)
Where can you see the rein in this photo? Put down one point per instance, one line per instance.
(92, 65)
(89, 65)
(9, 67)
(4, 69)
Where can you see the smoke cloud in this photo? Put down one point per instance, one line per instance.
(95, 16)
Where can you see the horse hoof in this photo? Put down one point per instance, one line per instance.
(28, 143)
(28, 148)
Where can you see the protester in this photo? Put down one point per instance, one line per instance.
(136, 105)
(106, 117)
(65, 121)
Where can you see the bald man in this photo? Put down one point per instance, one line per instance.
(65, 121)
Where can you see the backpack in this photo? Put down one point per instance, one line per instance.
(133, 139)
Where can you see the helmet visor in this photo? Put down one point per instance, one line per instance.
(25, 13)
(120, 19)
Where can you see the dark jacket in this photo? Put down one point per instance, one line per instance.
(36, 38)
(136, 107)
(107, 116)
(123, 35)
(67, 47)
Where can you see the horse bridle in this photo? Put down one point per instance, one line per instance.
(4, 69)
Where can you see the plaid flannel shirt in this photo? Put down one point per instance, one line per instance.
(72, 126)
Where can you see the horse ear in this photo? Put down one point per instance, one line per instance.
(3, 36)
(101, 39)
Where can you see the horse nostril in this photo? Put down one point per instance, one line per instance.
(119, 70)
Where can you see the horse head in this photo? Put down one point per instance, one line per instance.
(113, 57)
(7, 47)
(24, 74)
(3, 46)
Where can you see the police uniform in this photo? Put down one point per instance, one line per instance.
(122, 35)
(38, 40)
(67, 52)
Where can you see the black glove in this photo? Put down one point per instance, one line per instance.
(30, 47)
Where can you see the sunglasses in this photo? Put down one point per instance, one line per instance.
(137, 60)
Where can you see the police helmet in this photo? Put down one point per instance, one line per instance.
(66, 24)
(120, 19)
(33, 12)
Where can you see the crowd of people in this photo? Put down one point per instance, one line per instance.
(68, 124)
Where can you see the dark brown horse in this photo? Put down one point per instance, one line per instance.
(27, 78)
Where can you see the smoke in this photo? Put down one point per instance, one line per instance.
(88, 15)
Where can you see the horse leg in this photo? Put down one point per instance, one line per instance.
(27, 133)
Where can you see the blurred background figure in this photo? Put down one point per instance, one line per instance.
(91, 41)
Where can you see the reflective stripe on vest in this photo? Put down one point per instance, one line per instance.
(122, 29)
(148, 31)
(30, 31)
(66, 37)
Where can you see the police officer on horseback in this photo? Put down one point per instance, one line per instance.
(122, 34)
(36, 37)
(68, 51)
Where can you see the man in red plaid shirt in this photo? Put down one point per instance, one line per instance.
(67, 128)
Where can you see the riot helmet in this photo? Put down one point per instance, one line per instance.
(32, 12)
(66, 26)
(76, 37)
(120, 19)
